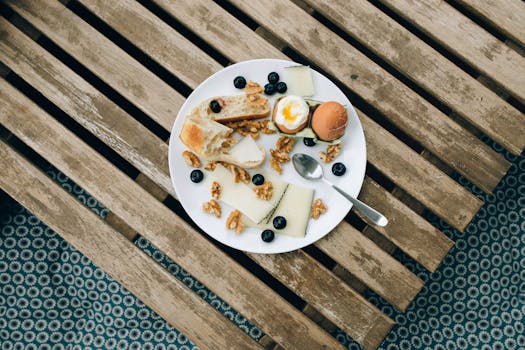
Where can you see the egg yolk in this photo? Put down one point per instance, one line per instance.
(287, 113)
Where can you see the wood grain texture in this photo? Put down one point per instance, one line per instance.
(165, 45)
(106, 60)
(163, 228)
(459, 34)
(428, 68)
(108, 249)
(508, 16)
(407, 110)
(424, 181)
(373, 266)
(89, 107)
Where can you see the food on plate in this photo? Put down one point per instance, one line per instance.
(239, 82)
(329, 120)
(215, 106)
(281, 87)
(318, 208)
(290, 114)
(233, 108)
(191, 159)
(281, 153)
(267, 236)
(212, 141)
(196, 176)
(309, 142)
(264, 191)
(332, 151)
(212, 207)
(279, 222)
(234, 222)
(270, 89)
(215, 190)
(239, 174)
(338, 169)
(251, 127)
(258, 179)
(299, 80)
(273, 78)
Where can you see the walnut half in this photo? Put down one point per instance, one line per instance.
(234, 222)
(318, 208)
(331, 153)
(216, 190)
(212, 207)
(191, 159)
(264, 191)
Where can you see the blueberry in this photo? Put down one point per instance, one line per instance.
(281, 87)
(257, 179)
(267, 236)
(338, 169)
(269, 89)
(279, 222)
(273, 78)
(215, 106)
(239, 82)
(196, 176)
(309, 142)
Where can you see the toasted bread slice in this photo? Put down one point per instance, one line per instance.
(234, 108)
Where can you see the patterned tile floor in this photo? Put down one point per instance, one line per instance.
(52, 297)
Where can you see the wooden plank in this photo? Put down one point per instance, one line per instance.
(428, 68)
(29, 64)
(424, 181)
(463, 37)
(506, 15)
(89, 107)
(110, 63)
(155, 222)
(137, 272)
(401, 105)
(156, 38)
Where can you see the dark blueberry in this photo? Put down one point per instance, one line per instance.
(309, 142)
(338, 169)
(279, 222)
(269, 89)
(273, 78)
(267, 236)
(239, 82)
(281, 87)
(196, 176)
(215, 106)
(257, 179)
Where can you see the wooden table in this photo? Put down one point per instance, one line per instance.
(93, 87)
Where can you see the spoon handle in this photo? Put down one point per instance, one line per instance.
(376, 217)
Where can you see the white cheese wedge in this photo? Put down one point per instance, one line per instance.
(295, 207)
(239, 195)
(246, 151)
(299, 80)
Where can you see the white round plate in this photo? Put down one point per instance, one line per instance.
(353, 155)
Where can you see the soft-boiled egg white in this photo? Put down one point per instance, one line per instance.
(291, 112)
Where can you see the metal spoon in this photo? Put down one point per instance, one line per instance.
(310, 169)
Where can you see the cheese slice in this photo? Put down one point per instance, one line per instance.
(295, 207)
(239, 195)
(299, 80)
(246, 151)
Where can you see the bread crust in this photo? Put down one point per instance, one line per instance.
(192, 136)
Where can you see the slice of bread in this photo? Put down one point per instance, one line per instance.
(234, 108)
(212, 141)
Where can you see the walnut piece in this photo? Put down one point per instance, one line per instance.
(264, 191)
(281, 154)
(318, 208)
(331, 153)
(216, 190)
(210, 166)
(191, 159)
(212, 207)
(253, 88)
(234, 222)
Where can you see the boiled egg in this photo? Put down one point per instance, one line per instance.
(290, 114)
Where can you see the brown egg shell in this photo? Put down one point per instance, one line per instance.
(329, 121)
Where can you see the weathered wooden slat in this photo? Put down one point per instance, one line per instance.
(149, 93)
(163, 228)
(156, 38)
(427, 67)
(506, 15)
(463, 37)
(37, 67)
(137, 272)
(417, 117)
